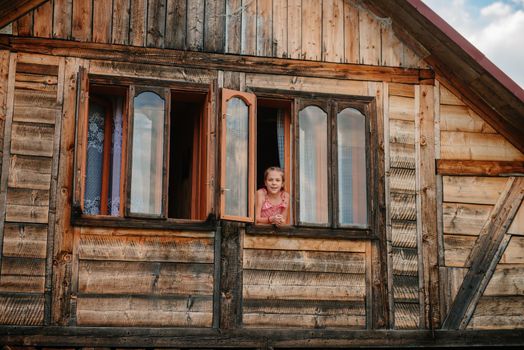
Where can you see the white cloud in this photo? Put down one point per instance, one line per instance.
(496, 29)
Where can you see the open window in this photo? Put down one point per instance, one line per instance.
(141, 150)
(237, 154)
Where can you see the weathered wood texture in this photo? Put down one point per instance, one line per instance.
(402, 211)
(33, 136)
(308, 30)
(162, 280)
(466, 136)
(502, 304)
(484, 256)
(301, 282)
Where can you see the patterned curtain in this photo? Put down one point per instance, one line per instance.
(95, 157)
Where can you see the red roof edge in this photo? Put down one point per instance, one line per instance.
(468, 48)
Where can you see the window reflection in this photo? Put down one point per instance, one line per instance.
(237, 146)
(147, 154)
(352, 196)
(313, 157)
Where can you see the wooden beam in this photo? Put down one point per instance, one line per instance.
(246, 64)
(11, 10)
(252, 338)
(485, 254)
(479, 167)
(231, 258)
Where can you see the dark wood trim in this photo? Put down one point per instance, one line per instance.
(252, 338)
(144, 223)
(4, 170)
(479, 167)
(310, 232)
(246, 64)
(12, 10)
(231, 244)
(484, 253)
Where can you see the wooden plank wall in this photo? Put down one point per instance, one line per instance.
(158, 279)
(467, 203)
(30, 178)
(304, 283)
(402, 210)
(329, 30)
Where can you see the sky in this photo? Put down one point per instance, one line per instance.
(495, 27)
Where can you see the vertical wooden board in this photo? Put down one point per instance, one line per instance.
(351, 33)
(474, 190)
(62, 249)
(120, 29)
(82, 20)
(62, 17)
(391, 47)
(215, 26)
(102, 20)
(43, 20)
(311, 30)
(248, 36)
(195, 25)
(294, 28)
(233, 26)
(517, 226)
(264, 24)
(369, 30)
(280, 29)
(156, 19)
(333, 30)
(24, 24)
(410, 59)
(176, 24)
(137, 26)
(22, 310)
(4, 76)
(26, 241)
(428, 215)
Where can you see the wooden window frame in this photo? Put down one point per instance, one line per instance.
(250, 100)
(335, 104)
(126, 218)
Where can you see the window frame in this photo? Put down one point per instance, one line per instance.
(365, 105)
(127, 219)
(250, 101)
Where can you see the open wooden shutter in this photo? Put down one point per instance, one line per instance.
(237, 156)
(82, 109)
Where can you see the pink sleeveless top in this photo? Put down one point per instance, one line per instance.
(268, 209)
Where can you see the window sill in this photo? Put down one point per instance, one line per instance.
(309, 232)
(209, 224)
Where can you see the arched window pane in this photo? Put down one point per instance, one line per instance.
(352, 187)
(147, 154)
(313, 158)
(237, 146)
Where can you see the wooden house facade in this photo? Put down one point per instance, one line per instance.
(133, 134)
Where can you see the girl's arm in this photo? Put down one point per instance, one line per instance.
(285, 212)
(258, 208)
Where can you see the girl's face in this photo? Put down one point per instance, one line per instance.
(274, 181)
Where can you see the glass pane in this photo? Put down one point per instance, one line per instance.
(352, 187)
(147, 154)
(313, 156)
(96, 187)
(237, 149)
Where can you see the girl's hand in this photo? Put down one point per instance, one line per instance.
(278, 219)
